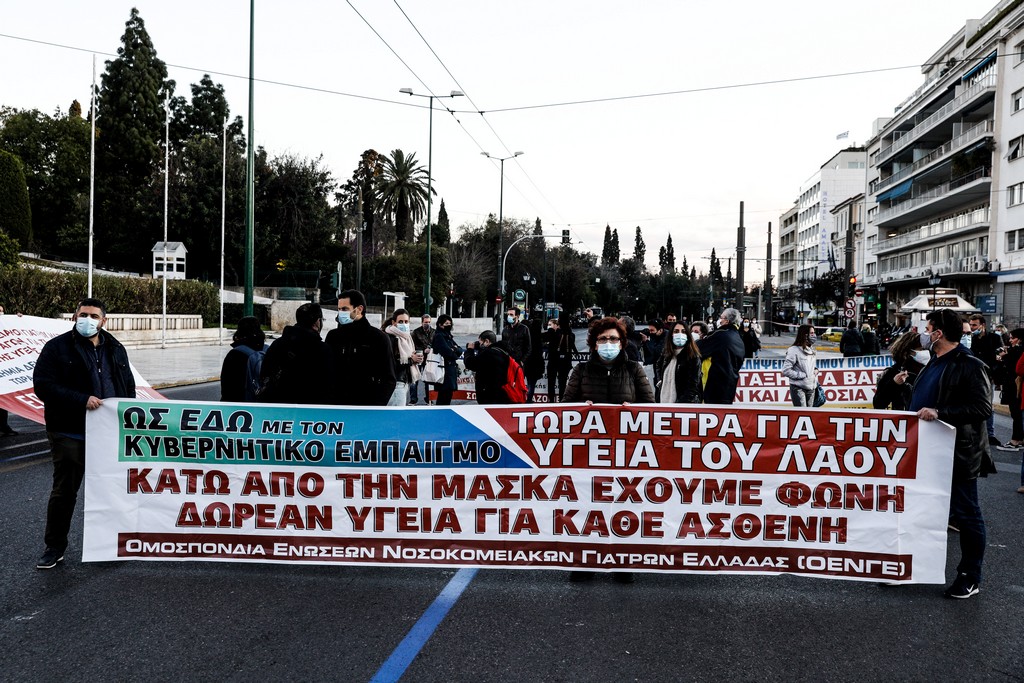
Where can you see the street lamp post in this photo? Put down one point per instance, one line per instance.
(505, 258)
(934, 281)
(427, 299)
(881, 300)
(501, 220)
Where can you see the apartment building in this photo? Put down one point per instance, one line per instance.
(807, 231)
(945, 176)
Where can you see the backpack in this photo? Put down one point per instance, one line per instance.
(515, 382)
(253, 365)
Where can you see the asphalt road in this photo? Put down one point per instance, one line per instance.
(178, 621)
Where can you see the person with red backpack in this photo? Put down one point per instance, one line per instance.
(491, 364)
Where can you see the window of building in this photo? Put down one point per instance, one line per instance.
(1016, 148)
(1018, 100)
(1015, 194)
(1019, 52)
(1014, 240)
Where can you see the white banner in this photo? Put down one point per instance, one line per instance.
(22, 337)
(849, 494)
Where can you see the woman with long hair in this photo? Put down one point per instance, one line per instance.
(678, 368)
(445, 344)
(799, 367)
(897, 382)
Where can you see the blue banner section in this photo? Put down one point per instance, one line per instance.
(245, 434)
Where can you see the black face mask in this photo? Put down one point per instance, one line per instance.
(447, 328)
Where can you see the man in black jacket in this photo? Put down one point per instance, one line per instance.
(516, 337)
(954, 387)
(74, 373)
(489, 363)
(721, 355)
(364, 372)
(297, 366)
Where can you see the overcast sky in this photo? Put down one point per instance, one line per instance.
(674, 164)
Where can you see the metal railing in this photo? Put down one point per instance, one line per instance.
(963, 221)
(929, 195)
(948, 108)
(956, 143)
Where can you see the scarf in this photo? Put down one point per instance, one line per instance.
(668, 378)
(406, 348)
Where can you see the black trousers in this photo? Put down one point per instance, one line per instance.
(68, 471)
(559, 371)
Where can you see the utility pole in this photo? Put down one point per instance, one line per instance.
(359, 246)
(741, 250)
(769, 313)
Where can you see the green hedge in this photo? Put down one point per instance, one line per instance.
(49, 293)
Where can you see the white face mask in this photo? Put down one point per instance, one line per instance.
(680, 338)
(966, 340)
(402, 327)
(608, 351)
(87, 327)
(922, 356)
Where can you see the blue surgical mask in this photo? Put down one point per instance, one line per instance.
(87, 327)
(812, 338)
(680, 338)
(344, 317)
(608, 351)
(403, 327)
(966, 340)
(510, 318)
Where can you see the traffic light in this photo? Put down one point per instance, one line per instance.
(853, 280)
(565, 237)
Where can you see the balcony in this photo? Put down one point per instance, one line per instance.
(987, 84)
(977, 131)
(958, 268)
(964, 222)
(976, 185)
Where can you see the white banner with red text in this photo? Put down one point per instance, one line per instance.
(22, 337)
(848, 382)
(848, 494)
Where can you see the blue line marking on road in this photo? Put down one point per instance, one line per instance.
(395, 666)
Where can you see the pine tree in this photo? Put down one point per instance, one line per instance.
(615, 246)
(670, 256)
(606, 250)
(441, 232)
(129, 149)
(639, 248)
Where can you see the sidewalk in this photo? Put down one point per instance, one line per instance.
(177, 365)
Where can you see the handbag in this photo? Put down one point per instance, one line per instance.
(819, 397)
(433, 369)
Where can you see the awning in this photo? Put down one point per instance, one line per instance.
(981, 65)
(897, 191)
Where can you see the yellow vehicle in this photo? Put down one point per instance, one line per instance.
(832, 334)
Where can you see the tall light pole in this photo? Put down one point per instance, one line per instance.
(501, 223)
(250, 172)
(504, 258)
(427, 300)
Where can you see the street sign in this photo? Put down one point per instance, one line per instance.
(850, 313)
(710, 310)
(987, 303)
(850, 305)
(519, 295)
(497, 299)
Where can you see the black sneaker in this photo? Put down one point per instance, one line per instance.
(1009, 446)
(50, 559)
(962, 588)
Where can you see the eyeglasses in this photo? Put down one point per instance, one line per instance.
(605, 339)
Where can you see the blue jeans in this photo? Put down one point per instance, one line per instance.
(964, 508)
(802, 398)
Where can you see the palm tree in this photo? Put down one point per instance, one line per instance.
(402, 192)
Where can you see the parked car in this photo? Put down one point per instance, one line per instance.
(832, 334)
